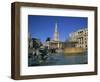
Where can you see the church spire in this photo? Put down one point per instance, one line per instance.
(56, 35)
(56, 28)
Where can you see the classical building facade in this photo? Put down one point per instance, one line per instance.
(80, 37)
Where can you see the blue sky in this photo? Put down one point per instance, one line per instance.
(42, 27)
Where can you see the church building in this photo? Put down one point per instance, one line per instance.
(55, 43)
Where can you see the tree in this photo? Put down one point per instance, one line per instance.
(48, 39)
(48, 42)
(36, 43)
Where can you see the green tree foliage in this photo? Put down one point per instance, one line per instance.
(36, 43)
(48, 39)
